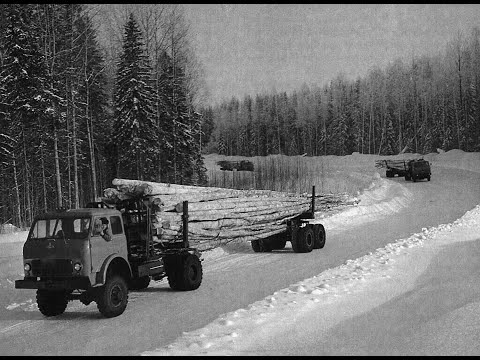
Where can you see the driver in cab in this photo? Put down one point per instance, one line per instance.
(101, 228)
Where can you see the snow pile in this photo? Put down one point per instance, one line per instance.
(381, 199)
(13, 237)
(324, 300)
(457, 159)
(7, 228)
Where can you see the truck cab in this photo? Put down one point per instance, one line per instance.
(417, 170)
(64, 249)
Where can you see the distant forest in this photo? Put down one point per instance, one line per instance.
(420, 105)
(93, 92)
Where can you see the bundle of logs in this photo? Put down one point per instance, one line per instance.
(217, 215)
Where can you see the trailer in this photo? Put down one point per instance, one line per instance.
(300, 231)
(393, 167)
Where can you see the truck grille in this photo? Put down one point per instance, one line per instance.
(52, 267)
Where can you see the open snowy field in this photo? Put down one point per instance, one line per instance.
(398, 276)
(416, 296)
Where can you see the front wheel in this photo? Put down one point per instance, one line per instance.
(428, 177)
(113, 297)
(51, 303)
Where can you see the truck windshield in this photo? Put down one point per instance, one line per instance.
(69, 228)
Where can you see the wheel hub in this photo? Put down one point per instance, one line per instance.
(116, 295)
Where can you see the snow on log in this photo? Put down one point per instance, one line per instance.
(219, 215)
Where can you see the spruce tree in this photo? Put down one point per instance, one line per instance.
(135, 130)
(24, 102)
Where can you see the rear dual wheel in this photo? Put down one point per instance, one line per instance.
(139, 283)
(184, 271)
(320, 236)
(305, 239)
(274, 242)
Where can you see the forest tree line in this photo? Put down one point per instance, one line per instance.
(420, 105)
(74, 113)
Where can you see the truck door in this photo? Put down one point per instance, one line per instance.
(100, 248)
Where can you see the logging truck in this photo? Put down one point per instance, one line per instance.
(411, 169)
(66, 257)
(303, 235)
(242, 165)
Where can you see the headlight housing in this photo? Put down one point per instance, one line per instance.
(27, 267)
(77, 266)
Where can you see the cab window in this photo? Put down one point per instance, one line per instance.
(116, 224)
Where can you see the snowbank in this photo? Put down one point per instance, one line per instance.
(323, 301)
(18, 236)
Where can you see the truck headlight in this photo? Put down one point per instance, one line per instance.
(27, 267)
(77, 266)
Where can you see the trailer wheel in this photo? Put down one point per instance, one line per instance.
(390, 174)
(407, 177)
(140, 283)
(112, 298)
(51, 303)
(261, 245)
(184, 272)
(320, 237)
(304, 241)
(279, 244)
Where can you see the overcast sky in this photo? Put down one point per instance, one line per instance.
(250, 48)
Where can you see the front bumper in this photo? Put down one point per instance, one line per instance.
(54, 284)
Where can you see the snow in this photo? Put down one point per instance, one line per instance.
(311, 316)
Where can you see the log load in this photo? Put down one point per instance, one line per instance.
(218, 215)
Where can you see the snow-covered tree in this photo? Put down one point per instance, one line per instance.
(24, 101)
(134, 126)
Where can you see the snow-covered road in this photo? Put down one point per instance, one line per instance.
(240, 307)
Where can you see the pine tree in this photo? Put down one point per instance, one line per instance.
(135, 130)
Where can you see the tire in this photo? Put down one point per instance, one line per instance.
(184, 272)
(113, 297)
(304, 241)
(51, 303)
(320, 237)
(407, 177)
(277, 241)
(414, 178)
(279, 244)
(428, 177)
(261, 245)
(140, 283)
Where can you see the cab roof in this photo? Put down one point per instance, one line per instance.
(82, 212)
